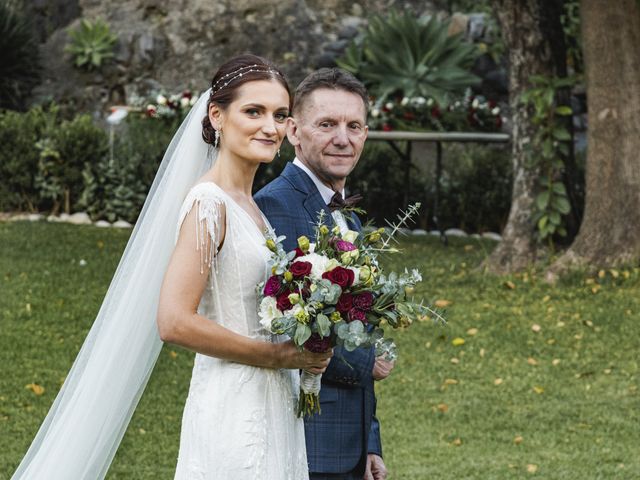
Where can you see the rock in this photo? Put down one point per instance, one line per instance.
(435, 233)
(19, 217)
(419, 232)
(455, 232)
(35, 217)
(64, 217)
(348, 32)
(80, 218)
(459, 24)
(102, 224)
(475, 235)
(53, 219)
(492, 236)
(121, 224)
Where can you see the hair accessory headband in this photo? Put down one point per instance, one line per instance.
(231, 76)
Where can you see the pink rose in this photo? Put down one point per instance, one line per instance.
(344, 246)
(345, 303)
(273, 286)
(357, 314)
(318, 344)
(364, 301)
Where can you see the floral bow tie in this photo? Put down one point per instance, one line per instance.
(339, 203)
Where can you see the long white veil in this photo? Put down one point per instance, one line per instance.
(81, 433)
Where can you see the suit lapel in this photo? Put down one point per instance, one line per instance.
(313, 203)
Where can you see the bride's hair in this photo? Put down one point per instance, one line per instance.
(233, 74)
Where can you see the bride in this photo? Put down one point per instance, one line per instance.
(239, 420)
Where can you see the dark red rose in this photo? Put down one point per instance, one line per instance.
(299, 252)
(364, 301)
(345, 303)
(318, 344)
(498, 121)
(283, 302)
(300, 269)
(273, 286)
(187, 94)
(386, 127)
(492, 104)
(357, 314)
(340, 276)
(435, 112)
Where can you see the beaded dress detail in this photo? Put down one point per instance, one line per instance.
(239, 421)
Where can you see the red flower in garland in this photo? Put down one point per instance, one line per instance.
(340, 276)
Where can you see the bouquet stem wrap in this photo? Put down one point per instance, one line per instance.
(309, 401)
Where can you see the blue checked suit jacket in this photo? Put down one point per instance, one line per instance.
(338, 439)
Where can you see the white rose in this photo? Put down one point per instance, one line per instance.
(495, 111)
(350, 236)
(389, 106)
(356, 273)
(161, 100)
(375, 113)
(475, 103)
(404, 101)
(184, 102)
(268, 312)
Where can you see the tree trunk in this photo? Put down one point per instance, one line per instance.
(523, 24)
(610, 232)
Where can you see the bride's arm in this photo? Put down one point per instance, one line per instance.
(179, 322)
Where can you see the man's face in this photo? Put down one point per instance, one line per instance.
(329, 133)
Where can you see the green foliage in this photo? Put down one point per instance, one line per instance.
(19, 157)
(19, 59)
(546, 150)
(582, 426)
(570, 20)
(64, 154)
(401, 55)
(91, 44)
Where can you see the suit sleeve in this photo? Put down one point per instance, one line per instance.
(375, 444)
(351, 368)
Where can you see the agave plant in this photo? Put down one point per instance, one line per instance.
(408, 56)
(19, 63)
(91, 44)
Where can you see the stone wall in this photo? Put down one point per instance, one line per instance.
(175, 44)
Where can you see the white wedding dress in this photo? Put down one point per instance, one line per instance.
(239, 421)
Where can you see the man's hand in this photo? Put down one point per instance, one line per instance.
(375, 468)
(382, 368)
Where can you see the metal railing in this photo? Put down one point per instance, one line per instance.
(438, 138)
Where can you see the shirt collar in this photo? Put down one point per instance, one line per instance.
(325, 191)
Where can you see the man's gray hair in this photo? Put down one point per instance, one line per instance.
(331, 78)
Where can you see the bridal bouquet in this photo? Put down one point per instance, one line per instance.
(334, 292)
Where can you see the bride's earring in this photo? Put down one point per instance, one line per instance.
(278, 152)
(217, 139)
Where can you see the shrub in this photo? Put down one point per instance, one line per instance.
(401, 55)
(19, 62)
(91, 44)
(19, 133)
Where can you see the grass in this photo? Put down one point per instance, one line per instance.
(545, 384)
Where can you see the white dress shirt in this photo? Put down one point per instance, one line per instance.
(326, 193)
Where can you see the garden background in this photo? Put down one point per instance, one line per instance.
(534, 374)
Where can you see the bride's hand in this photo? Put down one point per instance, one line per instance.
(291, 357)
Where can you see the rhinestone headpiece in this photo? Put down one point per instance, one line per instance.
(239, 73)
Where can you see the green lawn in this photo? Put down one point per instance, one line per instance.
(545, 384)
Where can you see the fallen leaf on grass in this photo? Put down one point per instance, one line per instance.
(443, 407)
(555, 362)
(450, 381)
(532, 361)
(35, 388)
(538, 390)
(457, 442)
(546, 298)
(510, 285)
(602, 274)
(497, 381)
(518, 440)
(482, 352)
(536, 328)
(472, 331)
(442, 303)
(173, 354)
(455, 361)
(531, 468)
(468, 248)
(457, 342)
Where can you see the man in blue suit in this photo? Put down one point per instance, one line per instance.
(328, 130)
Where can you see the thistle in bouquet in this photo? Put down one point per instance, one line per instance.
(334, 293)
